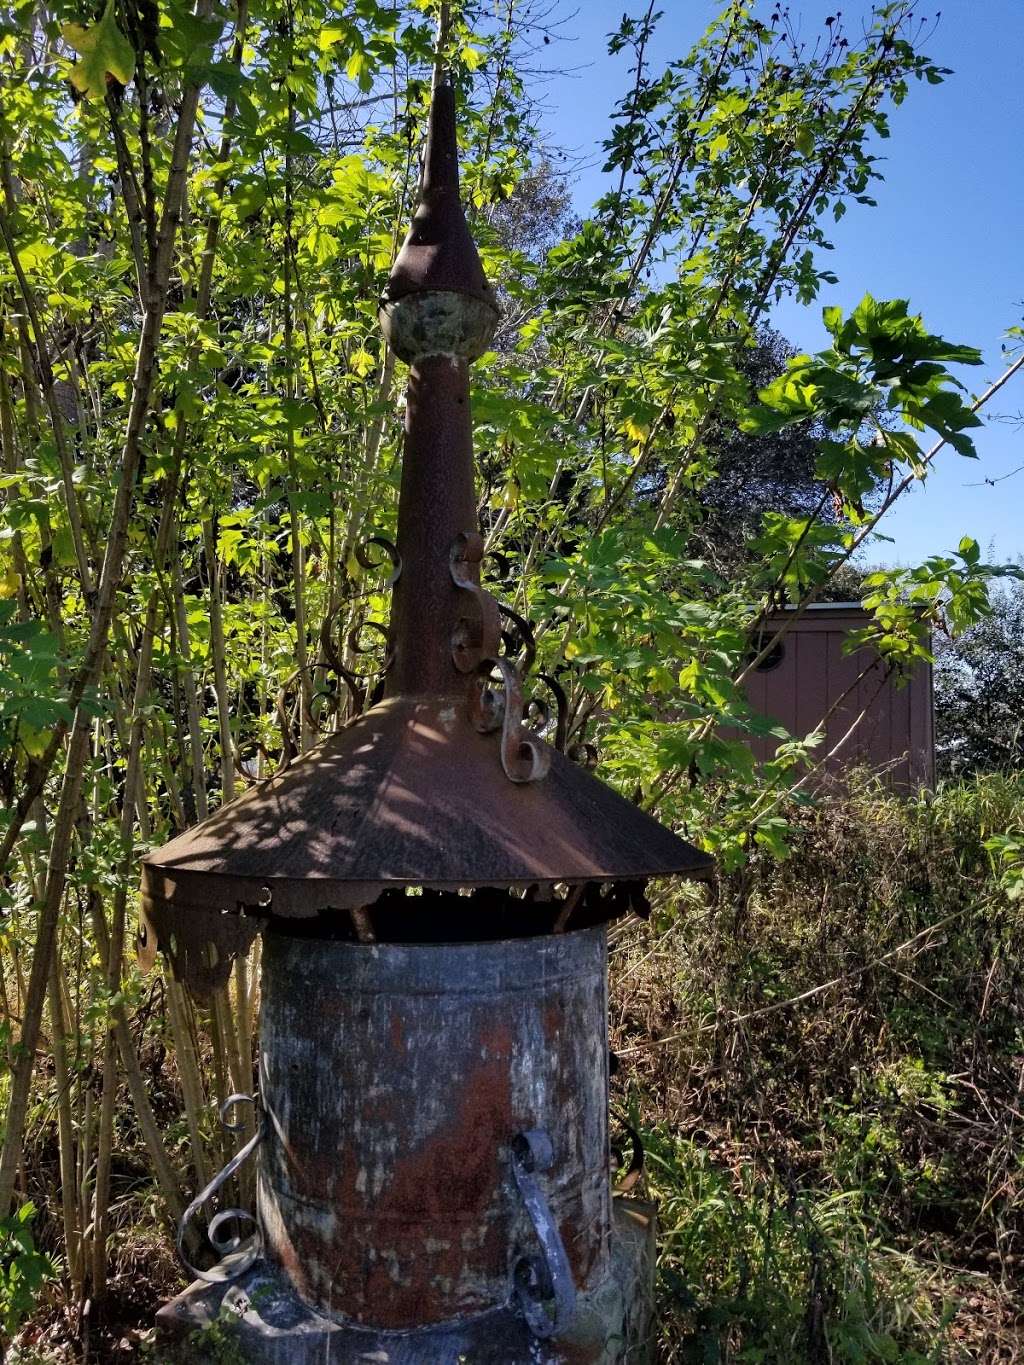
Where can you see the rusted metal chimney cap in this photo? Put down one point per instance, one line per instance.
(417, 792)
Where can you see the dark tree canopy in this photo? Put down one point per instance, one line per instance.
(771, 472)
(979, 692)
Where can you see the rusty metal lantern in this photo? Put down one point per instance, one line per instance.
(432, 885)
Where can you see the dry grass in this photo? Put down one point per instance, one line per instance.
(852, 1158)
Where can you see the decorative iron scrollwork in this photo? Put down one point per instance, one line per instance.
(569, 728)
(250, 1247)
(363, 557)
(477, 634)
(561, 710)
(360, 685)
(476, 648)
(519, 639)
(543, 1285)
(635, 1169)
(289, 746)
(357, 648)
(524, 757)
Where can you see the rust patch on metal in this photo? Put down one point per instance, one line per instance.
(554, 1022)
(391, 1166)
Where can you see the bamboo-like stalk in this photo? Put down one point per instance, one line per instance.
(231, 1073)
(166, 1176)
(241, 1035)
(9, 464)
(221, 1078)
(298, 552)
(62, 1079)
(189, 1074)
(240, 1072)
(170, 781)
(8, 1012)
(104, 1153)
(65, 1130)
(114, 963)
(85, 1150)
(218, 656)
(90, 669)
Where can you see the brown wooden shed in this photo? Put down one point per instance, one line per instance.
(809, 674)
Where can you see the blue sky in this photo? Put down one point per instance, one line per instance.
(948, 232)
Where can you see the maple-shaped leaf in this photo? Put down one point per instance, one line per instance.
(103, 51)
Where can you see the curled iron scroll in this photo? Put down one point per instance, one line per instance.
(635, 1169)
(568, 737)
(363, 557)
(356, 647)
(519, 639)
(249, 1248)
(478, 632)
(358, 684)
(524, 757)
(543, 1285)
(476, 644)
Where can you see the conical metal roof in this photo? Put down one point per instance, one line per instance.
(411, 795)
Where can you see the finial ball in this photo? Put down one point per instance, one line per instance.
(438, 322)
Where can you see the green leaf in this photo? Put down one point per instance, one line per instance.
(332, 34)
(37, 253)
(104, 52)
(358, 69)
(969, 550)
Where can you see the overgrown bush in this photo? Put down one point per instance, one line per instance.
(979, 691)
(840, 1175)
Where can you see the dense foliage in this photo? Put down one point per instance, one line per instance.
(829, 1057)
(200, 426)
(979, 691)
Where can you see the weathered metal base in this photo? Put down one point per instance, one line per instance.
(271, 1326)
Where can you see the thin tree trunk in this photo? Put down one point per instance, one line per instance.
(167, 1177)
(104, 1151)
(191, 696)
(191, 1077)
(65, 1131)
(91, 667)
(218, 654)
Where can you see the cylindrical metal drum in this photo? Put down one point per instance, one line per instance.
(394, 1079)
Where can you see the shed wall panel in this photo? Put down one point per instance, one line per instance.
(872, 721)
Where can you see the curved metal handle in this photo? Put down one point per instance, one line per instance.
(224, 1246)
(636, 1160)
(543, 1285)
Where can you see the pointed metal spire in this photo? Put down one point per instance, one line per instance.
(439, 256)
(439, 252)
(438, 314)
